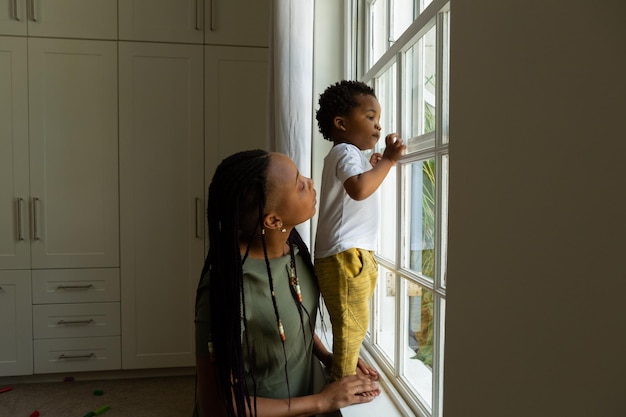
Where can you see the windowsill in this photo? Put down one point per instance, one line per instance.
(384, 404)
(388, 403)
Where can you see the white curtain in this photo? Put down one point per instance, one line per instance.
(291, 84)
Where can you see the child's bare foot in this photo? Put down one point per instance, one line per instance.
(367, 370)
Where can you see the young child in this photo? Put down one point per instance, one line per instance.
(347, 229)
(256, 303)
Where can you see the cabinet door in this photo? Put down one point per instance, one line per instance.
(16, 343)
(14, 191)
(162, 20)
(162, 201)
(93, 19)
(73, 153)
(236, 86)
(237, 22)
(13, 17)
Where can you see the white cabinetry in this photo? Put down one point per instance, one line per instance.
(76, 320)
(73, 153)
(162, 201)
(103, 299)
(93, 19)
(162, 20)
(236, 102)
(14, 181)
(237, 22)
(59, 200)
(217, 22)
(59, 184)
(16, 343)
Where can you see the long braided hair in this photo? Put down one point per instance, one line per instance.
(236, 203)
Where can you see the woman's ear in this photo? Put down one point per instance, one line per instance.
(272, 221)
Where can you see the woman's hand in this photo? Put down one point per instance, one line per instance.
(353, 389)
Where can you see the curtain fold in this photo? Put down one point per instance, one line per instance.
(291, 84)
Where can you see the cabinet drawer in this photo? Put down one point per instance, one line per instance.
(77, 355)
(52, 321)
(76, 285)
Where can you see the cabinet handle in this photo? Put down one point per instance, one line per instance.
(199, 17)
(35, 216)
(74, 287)
(20, 232)
(199, 207)
(211, 19)
(75, 321)
(64, 356)
(33, 15)
(16, 15)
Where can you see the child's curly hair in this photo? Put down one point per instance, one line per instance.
(339, 100)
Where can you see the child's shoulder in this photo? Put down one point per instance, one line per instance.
(343, 148)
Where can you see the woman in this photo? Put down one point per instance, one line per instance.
(257, 352)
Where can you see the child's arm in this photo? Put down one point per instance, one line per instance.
(363, 185)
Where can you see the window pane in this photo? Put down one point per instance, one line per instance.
(419, 186)
(402, 17)
(440, 343)
(388, 215)
(446, 76)
(425, 4)
(421, 103)
(385, 91)
(385, 313)
(386, 94)
(378, 43)
(418, 361)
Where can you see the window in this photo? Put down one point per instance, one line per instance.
(401, 49)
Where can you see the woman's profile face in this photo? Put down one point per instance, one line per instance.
(293, 196)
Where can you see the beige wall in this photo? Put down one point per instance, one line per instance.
(328, 64)
(536, 324)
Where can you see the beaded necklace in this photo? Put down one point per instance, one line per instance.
(294, 282)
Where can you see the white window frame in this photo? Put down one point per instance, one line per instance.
(435, 146)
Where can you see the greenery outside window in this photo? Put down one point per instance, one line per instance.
(401, 48)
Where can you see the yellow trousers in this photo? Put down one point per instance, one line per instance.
(347, 281)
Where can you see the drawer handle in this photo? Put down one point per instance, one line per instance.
(199, 16)
(212, 19)
(20, 232)
(75, 321)
(15, 13)
(35, 217)
(63, 356)
(33, 16)
(74, 287)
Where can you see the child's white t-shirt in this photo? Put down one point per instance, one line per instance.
(344, 223)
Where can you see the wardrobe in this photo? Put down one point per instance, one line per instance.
(113, 117)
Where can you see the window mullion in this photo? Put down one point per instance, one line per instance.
(439, 302)
(401, 321)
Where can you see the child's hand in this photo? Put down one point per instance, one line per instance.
(394, 147)
(376, 156)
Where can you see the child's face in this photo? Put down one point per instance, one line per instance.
(294, 195)
(361, 127)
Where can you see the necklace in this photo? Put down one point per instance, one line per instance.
(293, 276)
(294, 283)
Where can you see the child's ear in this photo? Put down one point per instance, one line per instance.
(339, 123)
